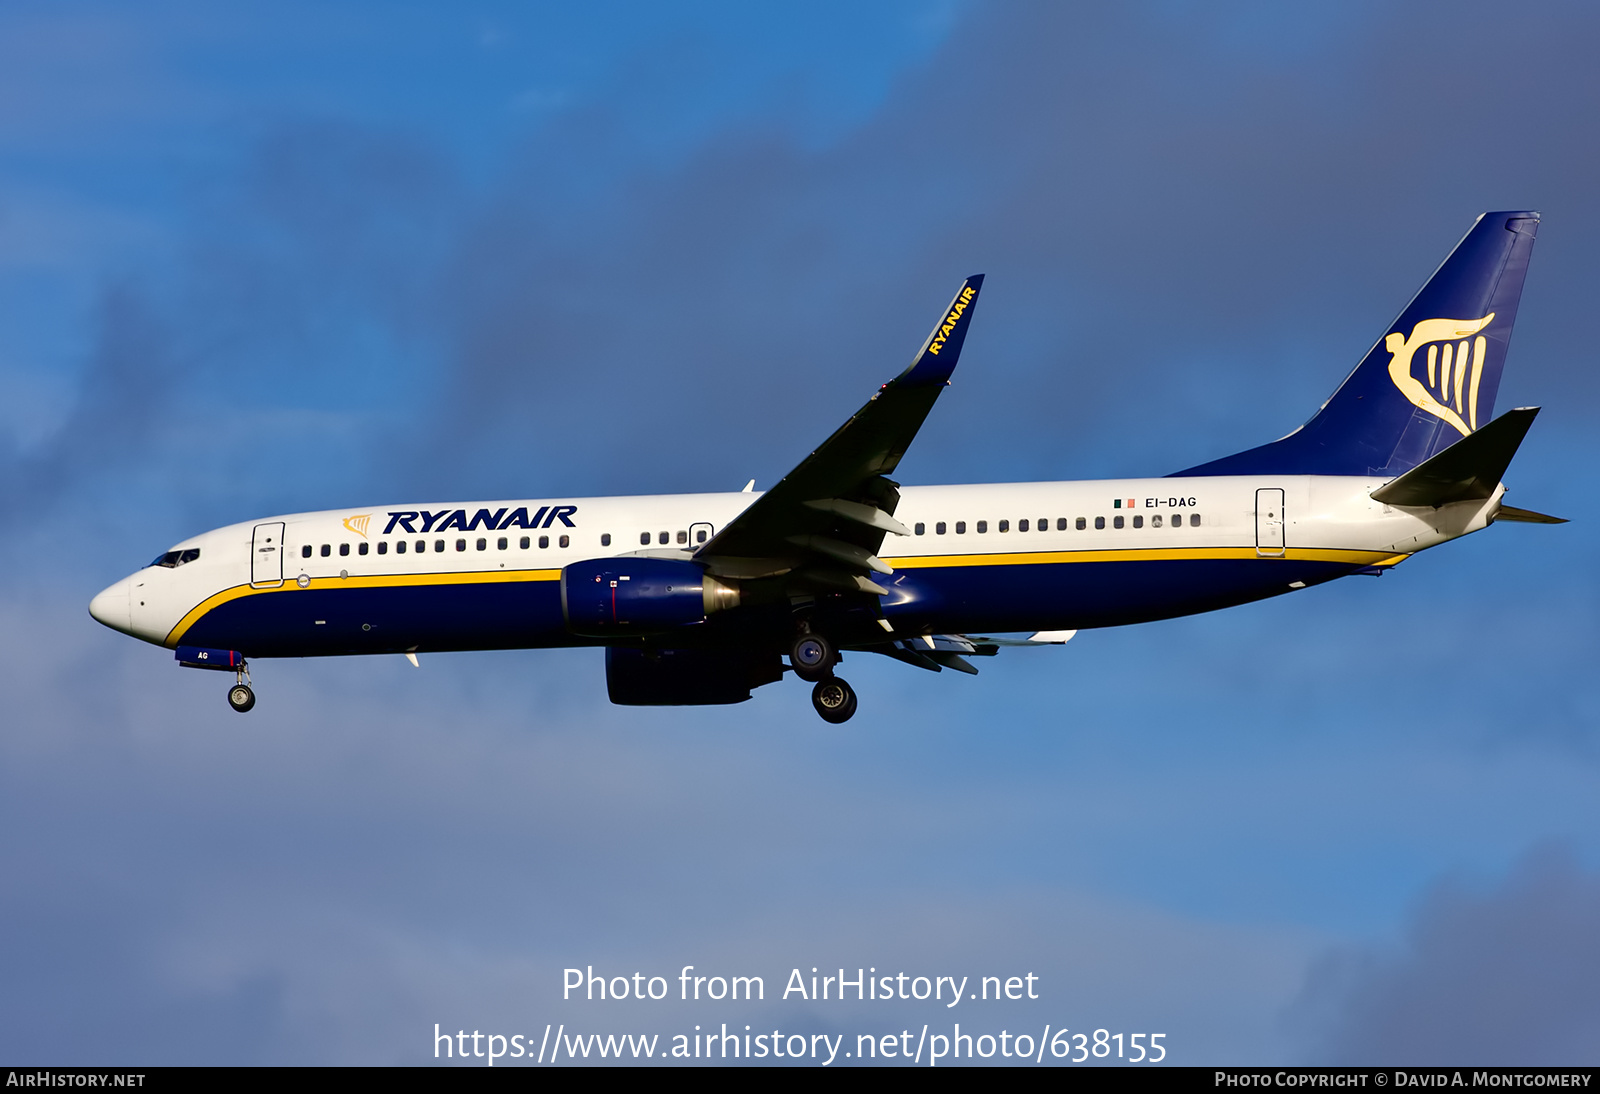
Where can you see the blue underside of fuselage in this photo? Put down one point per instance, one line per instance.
(292, 622)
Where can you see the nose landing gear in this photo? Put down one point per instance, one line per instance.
(241, 697)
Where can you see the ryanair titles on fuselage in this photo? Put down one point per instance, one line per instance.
(417, 521)
(951, 320)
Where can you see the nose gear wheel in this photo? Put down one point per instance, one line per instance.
(241, 696)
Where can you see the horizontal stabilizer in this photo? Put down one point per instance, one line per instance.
(1468, 470)
(1526, 516)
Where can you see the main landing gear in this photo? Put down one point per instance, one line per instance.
(240, 696)
(812, 656)
(834, 699)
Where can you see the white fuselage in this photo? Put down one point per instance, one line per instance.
(1315, 519)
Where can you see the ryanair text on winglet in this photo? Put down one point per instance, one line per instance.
(951, 320)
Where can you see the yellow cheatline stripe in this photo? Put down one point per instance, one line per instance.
(1028, 558)
(365, 581)
(1153, 554)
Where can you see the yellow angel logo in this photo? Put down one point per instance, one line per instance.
(358, 524)
(1455, 366)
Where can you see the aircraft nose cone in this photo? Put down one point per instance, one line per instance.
(111, 607)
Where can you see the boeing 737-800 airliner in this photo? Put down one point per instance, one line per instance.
(699, 598)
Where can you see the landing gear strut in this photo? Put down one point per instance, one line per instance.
(834, 699)
(240, 696)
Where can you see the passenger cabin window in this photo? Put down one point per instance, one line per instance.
(523, 543)
(422, 545)
(1155, 521)
(305, 552)
(1005, 526)
(1100, 522)
(700, 536)
(1116, 522)
(1194, 520)
(683, 537)
(605, 540)
(1138, 521)
(344, 550)
(644, 539)
(920, 529)
(383, 546)
(544, 541)
(961, 527)
(326, 550)
(171, 560)
(564, 541)
(399, 547)
(938, 529)
(362, 548)
(983, 526)
(1022, 525)
(483, 545)
(438, 545)
(663, 537)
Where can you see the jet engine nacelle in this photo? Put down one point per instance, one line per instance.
(603, 597)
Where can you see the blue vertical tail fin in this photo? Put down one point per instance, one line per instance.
(1430, 380)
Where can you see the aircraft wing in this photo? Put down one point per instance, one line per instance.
(829, 515)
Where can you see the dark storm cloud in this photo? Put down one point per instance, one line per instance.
(127, 379)
(326, 882)
(1209, 222)
(294, 312)
(1193, 223)
(1511, 977)
(1200, 235)
(324, 219)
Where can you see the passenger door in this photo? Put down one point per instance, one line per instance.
(1269, 523)
(266, 556)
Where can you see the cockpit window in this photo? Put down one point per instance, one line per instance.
(173, 559)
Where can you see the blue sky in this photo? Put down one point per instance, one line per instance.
(285, 257)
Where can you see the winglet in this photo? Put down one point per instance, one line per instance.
(939, 354)
(1525, 516)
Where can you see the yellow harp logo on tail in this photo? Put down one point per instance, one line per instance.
(358, 525)
(1454, 368)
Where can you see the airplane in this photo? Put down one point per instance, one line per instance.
(701, 598)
